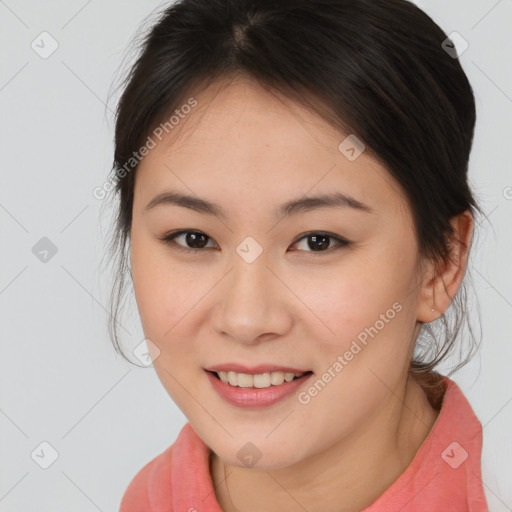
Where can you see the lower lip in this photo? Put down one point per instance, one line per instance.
(255, 397)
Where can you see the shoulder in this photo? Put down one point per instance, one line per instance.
(161, 483)
(137, 494)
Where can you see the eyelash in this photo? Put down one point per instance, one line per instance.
(168, 239)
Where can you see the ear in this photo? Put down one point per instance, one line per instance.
(441, 284)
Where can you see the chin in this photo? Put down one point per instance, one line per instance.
(259, 455)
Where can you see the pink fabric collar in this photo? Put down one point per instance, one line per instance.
(444, 475)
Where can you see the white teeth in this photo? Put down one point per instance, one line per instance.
(245, 381)
(261, 380)
(276, 378)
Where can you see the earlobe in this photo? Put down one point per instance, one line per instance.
(443, 282)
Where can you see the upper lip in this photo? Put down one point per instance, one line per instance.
(254, 370)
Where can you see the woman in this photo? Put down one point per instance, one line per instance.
(292, 178)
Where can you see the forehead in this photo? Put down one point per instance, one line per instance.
(242, 139)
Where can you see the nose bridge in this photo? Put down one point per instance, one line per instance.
(249, 280)
(250, 301)
(249, 266)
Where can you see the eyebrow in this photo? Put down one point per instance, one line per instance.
(293, 207)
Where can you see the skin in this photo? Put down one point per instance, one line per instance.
(245, 150)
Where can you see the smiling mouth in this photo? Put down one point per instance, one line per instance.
(258, 381)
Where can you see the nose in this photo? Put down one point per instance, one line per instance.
(253, 304)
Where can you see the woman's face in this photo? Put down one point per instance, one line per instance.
(256, 293)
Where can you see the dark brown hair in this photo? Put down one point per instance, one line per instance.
(373, 68)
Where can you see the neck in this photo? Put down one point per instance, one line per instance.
(347, 477)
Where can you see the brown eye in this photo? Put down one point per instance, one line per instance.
(191, 240)
(320, 242)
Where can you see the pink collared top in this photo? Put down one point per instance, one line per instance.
(445, 473)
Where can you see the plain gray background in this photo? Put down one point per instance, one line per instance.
(61, 382)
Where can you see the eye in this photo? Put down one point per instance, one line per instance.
(196, 239)
(317, 241)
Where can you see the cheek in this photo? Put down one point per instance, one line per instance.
(163, 291)
(166, 296)
(363, 306)
(364, 341)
